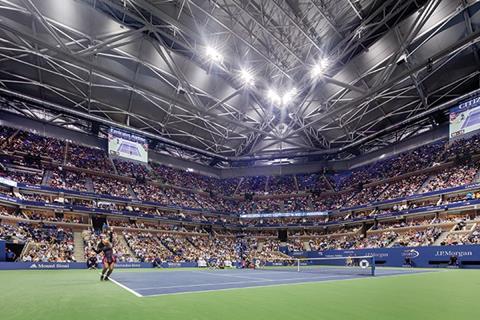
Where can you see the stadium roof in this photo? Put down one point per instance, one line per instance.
(235, 79)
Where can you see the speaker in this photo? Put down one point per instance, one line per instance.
(95, 128)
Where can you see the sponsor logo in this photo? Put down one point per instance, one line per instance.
(377, 254)
(174, 264)
(128, 265)
(50, 266)
(449, 253)
(469, 103)
(364, 264)
(53, 206)
(411, 253)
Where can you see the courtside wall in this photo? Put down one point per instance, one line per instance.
(423, 257)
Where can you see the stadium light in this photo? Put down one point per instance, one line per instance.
(319, 68)
(213, 54)
(247, 77)
(289, 96)
(274, 96)
(279, 100)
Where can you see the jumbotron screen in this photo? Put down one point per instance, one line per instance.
(465, 118)
(127, 145)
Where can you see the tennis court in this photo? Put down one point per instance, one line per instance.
(157, 283)
(129, 149)
(473, 119)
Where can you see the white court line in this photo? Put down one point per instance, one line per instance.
(230, 275)
(238, 282)
(271, 285)
(289, 284)
(126, 288)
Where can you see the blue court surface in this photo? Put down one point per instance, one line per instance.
(129, 149)
(472, 120)
(155, 283)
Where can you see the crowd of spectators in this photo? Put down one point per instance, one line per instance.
(253, 184)
(13, 233)
(70, 180)
(5, 134)
(402, 188)
(460, 147)
(192, 180)
(131, 169)
(147, 247)
(111, 187)
(23, 176)
(88, 158)
(451, 177)
(214, 248)
(213, 200)
(331, 202)
(31, 143)
(285, 184)
(377, 240)
(333, 242)
(315, 182)
(409, 161)
(366, 195)
(183, 250)
(49, 243)
(418, 238)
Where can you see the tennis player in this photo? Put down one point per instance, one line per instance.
(106, 247)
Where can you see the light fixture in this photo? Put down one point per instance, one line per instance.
(213, 54)
(247, 77)
(289, 96)
(274, 96)
(282, 101)
(320, 67)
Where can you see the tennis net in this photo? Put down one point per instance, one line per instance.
(354, 265)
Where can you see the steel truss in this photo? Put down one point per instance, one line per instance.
(142, 65)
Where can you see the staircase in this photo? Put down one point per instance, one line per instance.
(332, 188)
(65, 152)
(306, 246)
(260, 246)
(441, 238)
(79, 246)
(238, 185)
(124, 244)
(89, 184)
(112, 163)
(430, 178)
(132, 193)
(26, 248)
(47, 175)
(477, 177)
(295, 182)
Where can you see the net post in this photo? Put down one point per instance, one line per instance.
(373, 265)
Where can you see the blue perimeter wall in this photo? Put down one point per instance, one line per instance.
(83, 265)
(3, 252)
(423, 257)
